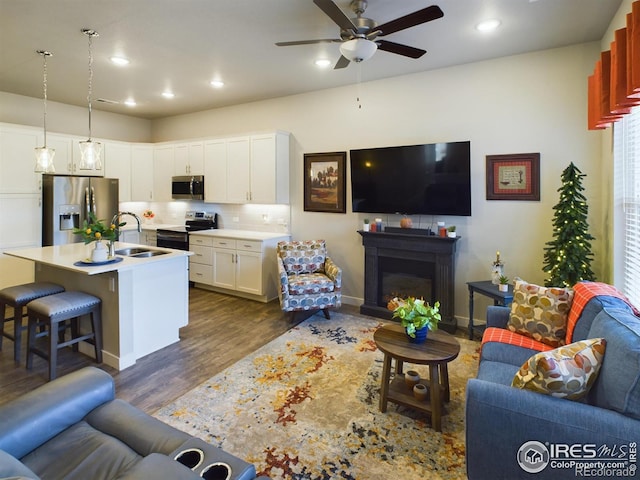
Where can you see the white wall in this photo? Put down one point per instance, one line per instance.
(62, 118)
(527, 103)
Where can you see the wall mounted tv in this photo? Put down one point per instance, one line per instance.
(433, 179)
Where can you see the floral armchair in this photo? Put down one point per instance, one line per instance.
(309, 280)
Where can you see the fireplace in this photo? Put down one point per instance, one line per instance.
(409, 263)
(404, 278)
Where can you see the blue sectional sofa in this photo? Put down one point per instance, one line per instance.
(513, 433)
(74, 428)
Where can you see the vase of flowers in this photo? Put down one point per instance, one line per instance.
(148, 216)
(416, 316)
(94, 230)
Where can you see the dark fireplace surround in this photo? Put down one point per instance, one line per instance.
(402, 264)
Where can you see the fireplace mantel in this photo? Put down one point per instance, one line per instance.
(410, 246)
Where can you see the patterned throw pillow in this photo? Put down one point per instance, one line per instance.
(566, 372)
(540, 312)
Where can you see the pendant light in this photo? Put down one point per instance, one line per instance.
(90, 150)
(44, 155)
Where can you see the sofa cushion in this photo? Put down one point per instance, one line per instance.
(618, 385)
(81, 452)
(496, 347)
(11, 467)
(496, 372)
(540, 312)
(566, 372)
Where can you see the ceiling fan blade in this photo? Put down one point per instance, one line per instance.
(335, 14)
(400, 49)
(342, 62)
(416, 18)
(308, 42)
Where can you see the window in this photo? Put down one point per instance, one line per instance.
(627, 204)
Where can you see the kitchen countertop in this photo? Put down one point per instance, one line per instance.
(240, 234)
(64, 256)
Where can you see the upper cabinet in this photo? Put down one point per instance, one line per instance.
(270, 168)
(18, 160)
(255, 169)
(188, 159)
(215, 171)
(162, 172)
(142, 173)
(118, 165)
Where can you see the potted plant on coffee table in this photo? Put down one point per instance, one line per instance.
(416, 316)
(503, 283)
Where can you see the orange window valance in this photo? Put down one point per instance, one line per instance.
(614, 86)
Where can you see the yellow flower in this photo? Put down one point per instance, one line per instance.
(98, 235)
(88, 231)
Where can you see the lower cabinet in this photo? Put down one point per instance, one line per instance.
(244, 267)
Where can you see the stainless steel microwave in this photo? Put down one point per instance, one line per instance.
(190, 187)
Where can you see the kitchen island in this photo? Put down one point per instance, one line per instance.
(145, 300)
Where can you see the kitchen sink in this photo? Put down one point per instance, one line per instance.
(149, 253)
(139, 252)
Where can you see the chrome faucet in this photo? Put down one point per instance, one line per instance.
(115, 222)
(119, 214)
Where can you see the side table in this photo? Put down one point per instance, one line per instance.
(490, 290)
(439, 349)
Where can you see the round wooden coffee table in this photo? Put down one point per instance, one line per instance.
(439, 349)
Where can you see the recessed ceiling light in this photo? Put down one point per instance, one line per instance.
(217, 83)
(322, 62)
(120, 61)
(130, 102)
(488, 25)
(168, 94)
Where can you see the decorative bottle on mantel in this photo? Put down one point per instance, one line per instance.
(497, 270)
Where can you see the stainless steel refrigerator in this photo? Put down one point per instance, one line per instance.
(67, 201)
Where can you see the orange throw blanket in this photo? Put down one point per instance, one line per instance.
(585, 291)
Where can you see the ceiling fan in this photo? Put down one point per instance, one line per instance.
(359, 36)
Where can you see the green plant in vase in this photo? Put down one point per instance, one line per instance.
(503, 283)
(415, 314)
(95, 230)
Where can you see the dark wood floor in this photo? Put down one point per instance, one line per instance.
(222, 330)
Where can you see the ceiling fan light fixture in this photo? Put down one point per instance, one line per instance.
(358, 49)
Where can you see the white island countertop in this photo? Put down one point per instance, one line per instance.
(66, 257)
(240, 234)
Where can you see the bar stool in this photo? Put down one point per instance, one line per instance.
(52, 311)
(17, 297)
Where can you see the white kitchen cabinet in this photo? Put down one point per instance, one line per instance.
(269, 174)
(130, 236)
(189, 159)
(142, 173)
(21, 217)
(17, 160)
(238, 170)
(63, 159)
(236, 262)
(149, 238)
(201, 262)
(215, 171)
(117, 157)
(162, 173)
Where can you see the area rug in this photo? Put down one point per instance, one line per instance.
(305, 406)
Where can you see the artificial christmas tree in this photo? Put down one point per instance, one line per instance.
(567, 258)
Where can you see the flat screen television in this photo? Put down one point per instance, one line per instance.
(431, 179)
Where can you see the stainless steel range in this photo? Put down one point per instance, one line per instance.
(178, 237)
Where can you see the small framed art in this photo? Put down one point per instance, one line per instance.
(513, 177)
(325, 182)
